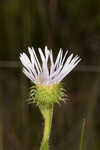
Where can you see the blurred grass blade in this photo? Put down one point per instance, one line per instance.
(82, 134)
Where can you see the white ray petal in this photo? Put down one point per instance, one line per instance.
(36, 62)
(45, 67)
(47, 53)
(66, 71)
(32, 60)
(74, 60)
(31, 55)
(69, 59)
(66, 65)
(58, 58)
(29, 75)
(56, 72)
(42, 55)
(27, 64)
(26, 60)
(64, 57)
(52, 63)
(39, 66)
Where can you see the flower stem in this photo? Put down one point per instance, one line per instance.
(47, 112)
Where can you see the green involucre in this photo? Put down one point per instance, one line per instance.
(43, 94)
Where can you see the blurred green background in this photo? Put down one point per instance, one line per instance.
(70, 24)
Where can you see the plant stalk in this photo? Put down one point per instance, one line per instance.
(47, 112)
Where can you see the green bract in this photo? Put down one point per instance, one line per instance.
(43, 94)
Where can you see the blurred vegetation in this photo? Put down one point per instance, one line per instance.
(70, 24)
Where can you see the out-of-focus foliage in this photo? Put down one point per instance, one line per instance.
(68, 24)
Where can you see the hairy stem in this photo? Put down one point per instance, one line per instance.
(47, 112)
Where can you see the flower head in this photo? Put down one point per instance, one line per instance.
(47, 78)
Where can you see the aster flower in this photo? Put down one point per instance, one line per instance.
(47, 79)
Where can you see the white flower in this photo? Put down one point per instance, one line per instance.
(43, 74)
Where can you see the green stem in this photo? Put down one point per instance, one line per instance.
(82, 135)
(47, 112)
